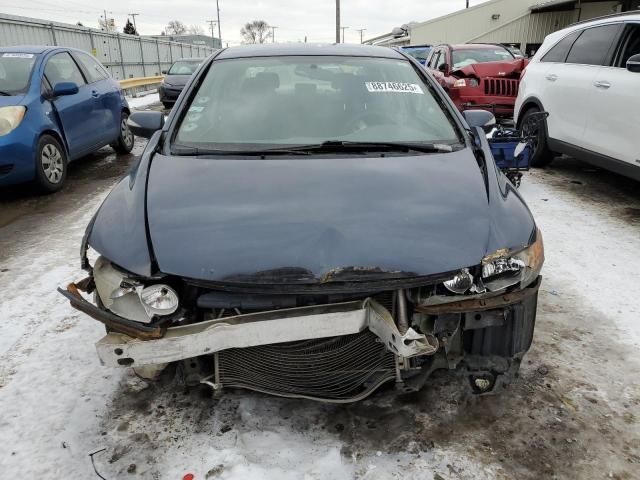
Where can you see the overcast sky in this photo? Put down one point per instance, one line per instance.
(295, 18)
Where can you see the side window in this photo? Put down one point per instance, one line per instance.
(434, 58)
(93, 69)
(442, 59)
(629, 45)
(558, 54)
(62, 68)
(593, 46)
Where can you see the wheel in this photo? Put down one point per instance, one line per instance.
(51, 164)
(541, 156)
(124, 143)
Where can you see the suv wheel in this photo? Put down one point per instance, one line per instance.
(541, 156)
(51, 164)
(125, 141)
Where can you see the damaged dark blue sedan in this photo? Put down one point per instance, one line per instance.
(313, 222)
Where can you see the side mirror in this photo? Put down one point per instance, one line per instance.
(480, 118)
(145, 124)
(164, 72)
(64, 88)
(633, 64)
(444, 68)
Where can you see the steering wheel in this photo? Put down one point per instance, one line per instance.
(369, 119)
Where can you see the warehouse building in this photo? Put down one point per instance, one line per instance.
(521, 23)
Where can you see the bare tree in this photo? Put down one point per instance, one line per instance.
(175, 27)
(195, 30)
(257, 31)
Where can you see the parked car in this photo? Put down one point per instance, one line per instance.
(478, 75)
(313, 221)
(419, 52)
(56, 105)
(587, 77)
(176, 78)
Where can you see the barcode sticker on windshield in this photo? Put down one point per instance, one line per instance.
(17, 55)
(394, 87)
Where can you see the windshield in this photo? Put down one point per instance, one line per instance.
(277, 101)
(15, 72)
(462, 58)
(184, 67)
(419, 53)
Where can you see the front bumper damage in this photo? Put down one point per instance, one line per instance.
(322, 351)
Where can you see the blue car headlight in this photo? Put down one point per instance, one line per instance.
(10, 118)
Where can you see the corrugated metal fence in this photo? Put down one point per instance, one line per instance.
(125, 56)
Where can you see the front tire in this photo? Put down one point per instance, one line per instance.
(541, 156)
(124, 143)
(51, 164)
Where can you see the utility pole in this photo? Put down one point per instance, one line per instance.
(219, 30)
(467, 3)
(211, 24)
(273, 34)
(337, 21)
(361, 30)
(343, 29)
(134, 15)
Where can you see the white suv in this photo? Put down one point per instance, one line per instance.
(587, 77)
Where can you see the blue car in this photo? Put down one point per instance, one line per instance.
(56, 105)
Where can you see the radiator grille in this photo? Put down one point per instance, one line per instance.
(501, 87)
(337, 369)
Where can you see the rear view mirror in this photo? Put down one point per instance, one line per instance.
(145, 124)
(444, 68)
(64, 88)
(633, 64)
(164, 72)
(480, 118)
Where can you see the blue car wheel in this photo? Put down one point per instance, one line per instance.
(51, 164)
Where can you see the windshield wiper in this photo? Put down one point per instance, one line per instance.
(186, 151)
(352, 146)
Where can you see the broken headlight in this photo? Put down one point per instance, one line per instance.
(128, 297)
(505, 268)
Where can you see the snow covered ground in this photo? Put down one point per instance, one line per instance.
(144, 99)
(573, 413)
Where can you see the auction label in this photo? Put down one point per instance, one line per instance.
(393, 87)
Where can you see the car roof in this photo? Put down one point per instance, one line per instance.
(189, 59)
(303, 49)
(27, 49)
(475, 46)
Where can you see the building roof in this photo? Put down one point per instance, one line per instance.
(303, 49)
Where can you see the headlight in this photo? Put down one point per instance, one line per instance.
(159, 300)
(461, 283)
(128, 297)
(466, 82)
(10, 118)
(504, 268)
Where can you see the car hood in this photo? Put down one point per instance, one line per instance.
(493, 69)
(176, 80)
(290, 220)
(11, 101)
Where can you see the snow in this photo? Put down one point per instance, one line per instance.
(149, 98)
(579, 388)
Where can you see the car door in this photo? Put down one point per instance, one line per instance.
(76, 113)
(613, 129)
(569, 83)
(107, 93)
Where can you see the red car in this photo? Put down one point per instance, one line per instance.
(479, 75)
